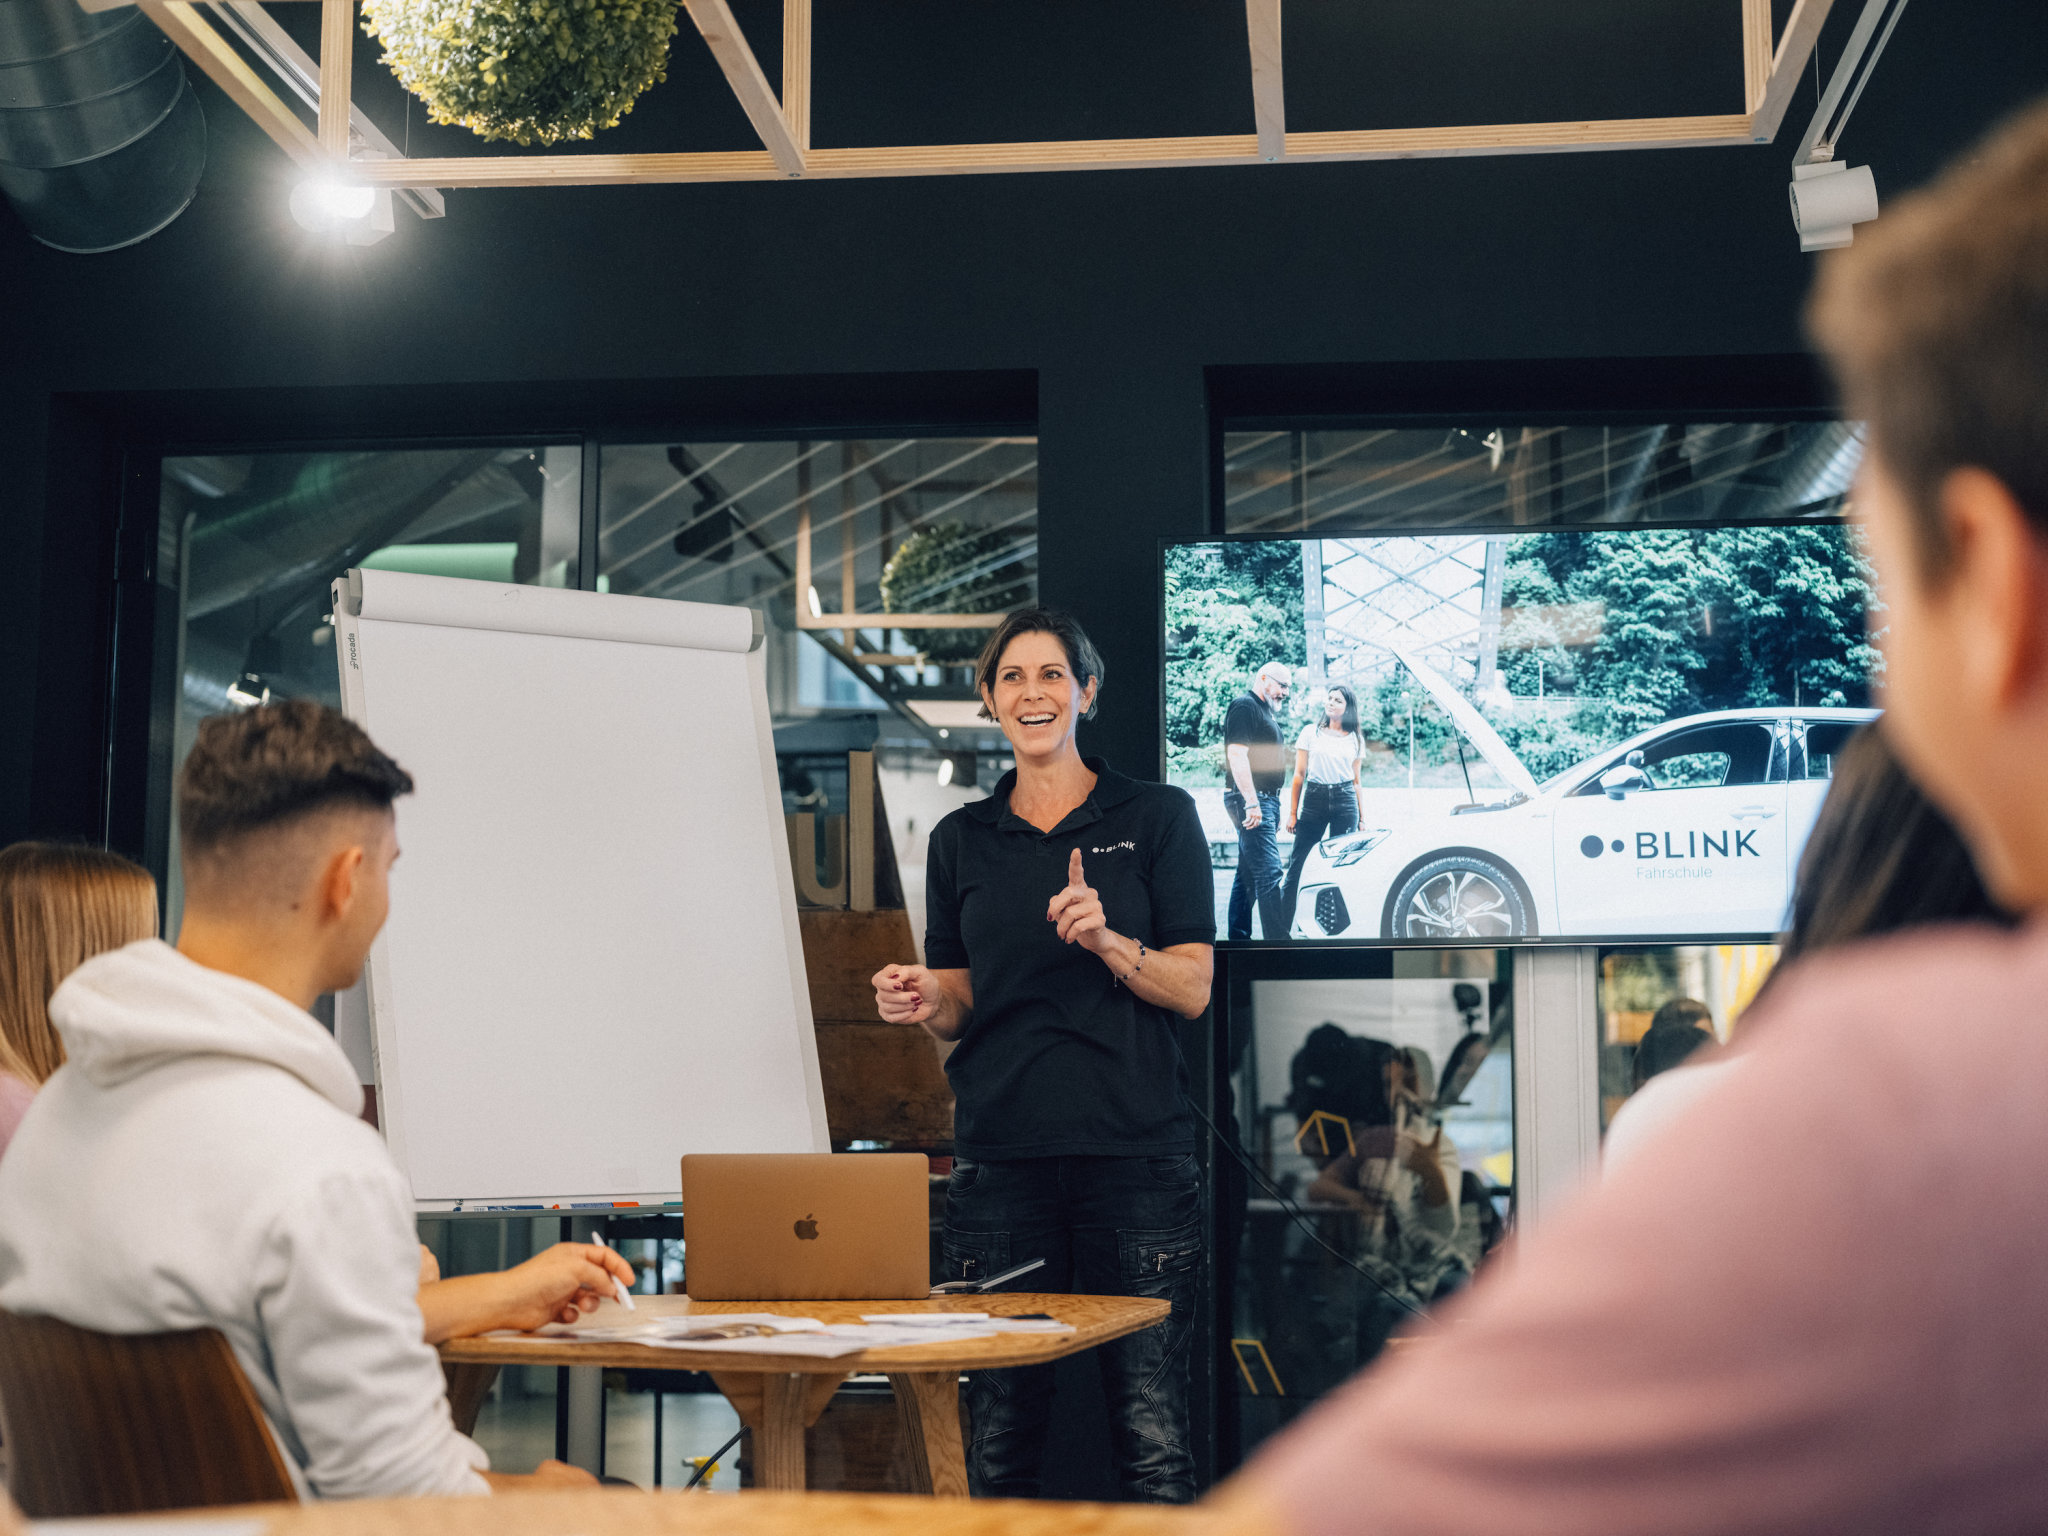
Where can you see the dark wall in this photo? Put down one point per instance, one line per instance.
(1128, 295)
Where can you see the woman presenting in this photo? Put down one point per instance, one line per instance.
(1069, 918)
(1328, 759)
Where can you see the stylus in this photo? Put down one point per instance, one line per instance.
(1009, 1274)
(618, 1285)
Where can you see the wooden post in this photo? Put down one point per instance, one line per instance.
(796, 70)
(337, 54)
(1269, 97)
(929, 1402)
(860, 831)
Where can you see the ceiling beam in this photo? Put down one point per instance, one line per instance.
(337, 54)
(225, 68)
(728, 45)
(1269, 96)
(1756, 52)
(1802, 31)
(796, 70)
(1521, 138)
(1069, 155)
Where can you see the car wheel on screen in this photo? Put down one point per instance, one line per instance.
(1460, 896)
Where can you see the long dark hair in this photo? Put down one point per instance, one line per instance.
(1881, 858)
(1350, 721)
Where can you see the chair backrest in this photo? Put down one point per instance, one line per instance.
(115, 1424)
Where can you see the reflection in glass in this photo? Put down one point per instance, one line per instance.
(1653, 1001)
(1379, 1117)
(1444, 477)
(253, 542)
(885, 526)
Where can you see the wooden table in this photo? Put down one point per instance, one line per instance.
(778, 1397)
(616, 1512)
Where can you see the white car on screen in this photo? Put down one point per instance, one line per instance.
(1693, 827)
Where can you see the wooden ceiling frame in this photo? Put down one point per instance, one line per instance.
(1771, 71)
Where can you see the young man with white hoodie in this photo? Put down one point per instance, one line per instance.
(200, 1160)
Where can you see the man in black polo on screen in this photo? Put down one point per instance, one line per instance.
(1254, 763)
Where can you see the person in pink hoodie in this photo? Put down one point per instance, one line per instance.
(1734, 1334)
(60, 904)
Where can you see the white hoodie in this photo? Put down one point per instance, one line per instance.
(199, 1161)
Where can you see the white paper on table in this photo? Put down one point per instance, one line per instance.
(671, 1327)
(960, 1325)
(821, 1346)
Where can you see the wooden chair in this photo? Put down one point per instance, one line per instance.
(112, 1424)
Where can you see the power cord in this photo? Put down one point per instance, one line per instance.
(712, 1460)
(1300, 1217)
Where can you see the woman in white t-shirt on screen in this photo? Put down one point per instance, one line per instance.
(1328, 757)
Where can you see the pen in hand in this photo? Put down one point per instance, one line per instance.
(618, 1285)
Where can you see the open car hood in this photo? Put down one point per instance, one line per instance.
(1470, 722)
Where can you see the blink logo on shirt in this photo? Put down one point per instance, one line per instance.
(1116, 847)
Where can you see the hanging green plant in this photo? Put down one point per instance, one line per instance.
(532, 71)
(951, 568)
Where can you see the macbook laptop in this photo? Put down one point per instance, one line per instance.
(807, 1226)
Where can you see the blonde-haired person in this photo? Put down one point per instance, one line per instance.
(60, 905)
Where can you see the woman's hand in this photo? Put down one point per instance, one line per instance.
(906, 994)
(1078, 911)
(938, 1000)
(1288, 824)
(1420, 1158)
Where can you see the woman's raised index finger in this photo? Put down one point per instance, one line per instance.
(1074, 875)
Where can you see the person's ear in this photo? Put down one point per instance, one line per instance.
(1998, 580)
(341, 881)
(988, 702)
(1088, 696)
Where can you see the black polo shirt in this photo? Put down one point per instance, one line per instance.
(1250, 723)
(1057, 1061)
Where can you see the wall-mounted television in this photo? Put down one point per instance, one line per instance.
(1570, 734)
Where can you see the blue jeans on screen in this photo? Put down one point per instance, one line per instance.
(1327, 810)
(1258, 868)
(1105, 1226)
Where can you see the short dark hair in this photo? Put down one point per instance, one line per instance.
(1936, 323)
(1082, 657)
(1683, 1025)
(275, 763)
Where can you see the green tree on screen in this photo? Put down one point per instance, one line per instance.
(1230, 609)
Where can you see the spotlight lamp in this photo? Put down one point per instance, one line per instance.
(1828, 202)
(1829, 199)
(328, 205)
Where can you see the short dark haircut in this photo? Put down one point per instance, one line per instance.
(1936, 323)
(270, 765)
(1082, 658)
(1880, 858)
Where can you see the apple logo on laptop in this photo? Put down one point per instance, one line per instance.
(807, 1230)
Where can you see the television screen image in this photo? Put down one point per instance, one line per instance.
(1566, 734)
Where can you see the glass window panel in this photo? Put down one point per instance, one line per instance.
(256, 541)
(1377, 1120)
(938, 525)
(1708, 987)
(1447, 477)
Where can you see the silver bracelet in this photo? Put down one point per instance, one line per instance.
(1117, 981)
